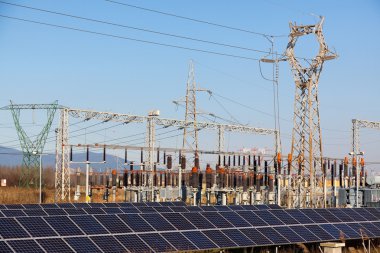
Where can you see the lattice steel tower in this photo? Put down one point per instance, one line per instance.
(306, 137)
(190, 132)
(31, 149)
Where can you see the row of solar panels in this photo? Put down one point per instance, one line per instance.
(116, 210)
(255, 218)
(196, 239)
(132, 204)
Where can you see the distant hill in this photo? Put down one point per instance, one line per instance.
(13, 157)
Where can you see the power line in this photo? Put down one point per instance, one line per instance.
(131, 39)
(194, 20)
(136, 28)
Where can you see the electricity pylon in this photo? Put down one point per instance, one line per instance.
(306, 137)
(31, 149)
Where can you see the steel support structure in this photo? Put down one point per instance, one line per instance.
(31, 149)
(356, 125)
(306, 136)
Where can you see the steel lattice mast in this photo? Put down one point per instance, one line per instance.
(190, 133)
(306, 137)
(31, 149)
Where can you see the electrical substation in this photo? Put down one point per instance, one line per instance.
(189, 198)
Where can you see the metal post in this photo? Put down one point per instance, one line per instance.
(87, 180)
(357, 181)
(40, 178)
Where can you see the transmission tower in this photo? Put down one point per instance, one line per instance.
(31, 149)
(190, 132)
(306, 137)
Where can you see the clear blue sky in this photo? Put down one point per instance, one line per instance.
(40, 64)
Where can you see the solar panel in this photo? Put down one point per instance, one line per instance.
(236, 207)
(216, 219)
(362, 231)
(75, 211)
(255, 236)
(125, 204)
(152, 204)
(63, 225)
(35, 212)
(55, 211)
(299, 216)
(32, 206)
(139, 204)
(135, 222)
(82, 244)
(327, 215)
(372, 228)
(289, 234)
(13, 213)
(273, 235)
(305, 233)
(238, 237)
(96, 204)
(219, 238)
(94, 210)
(162, 209)
(373, 211)
(198, 220)
(320, 232)
(178, 221)
(235, 219)
(200, 240)
(1, 214)
(130, 210)
(11, 229)
(341, 215)
(249, 207)
(334, 231)
(178, 203)
(89, 225)
(146, 209)
(112, 210)
(283, 216)
(178, 209)
(54, 245)
(36, 226)
(363, 212)
(262, 207)
(377, 224)
(2, 206)
(133, 243)
(268, 217)
(49, 206)
(157, 221)
(167, 203)
(274, 206)
(193, 208)
(252, 218)
(313, 215)
(14, 206)
(65, 205)
(81, 205)
(25, 246)
(348, 232)
(111, 204)
(157, 242)
(222, 208)
(179, 241)
(108, 243)
(354, 215)
(113, 224)
(208, 208)
(4, 248)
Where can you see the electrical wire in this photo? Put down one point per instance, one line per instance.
(194, 20)
(131, 39)
(136, 28)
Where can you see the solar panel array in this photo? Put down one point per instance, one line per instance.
(173, 226)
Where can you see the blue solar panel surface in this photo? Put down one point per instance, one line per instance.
(173, 226)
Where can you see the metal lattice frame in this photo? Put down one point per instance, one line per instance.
(356, 125)
(31, 149)
(306, 137)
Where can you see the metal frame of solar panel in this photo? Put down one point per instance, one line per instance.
(163, 226)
